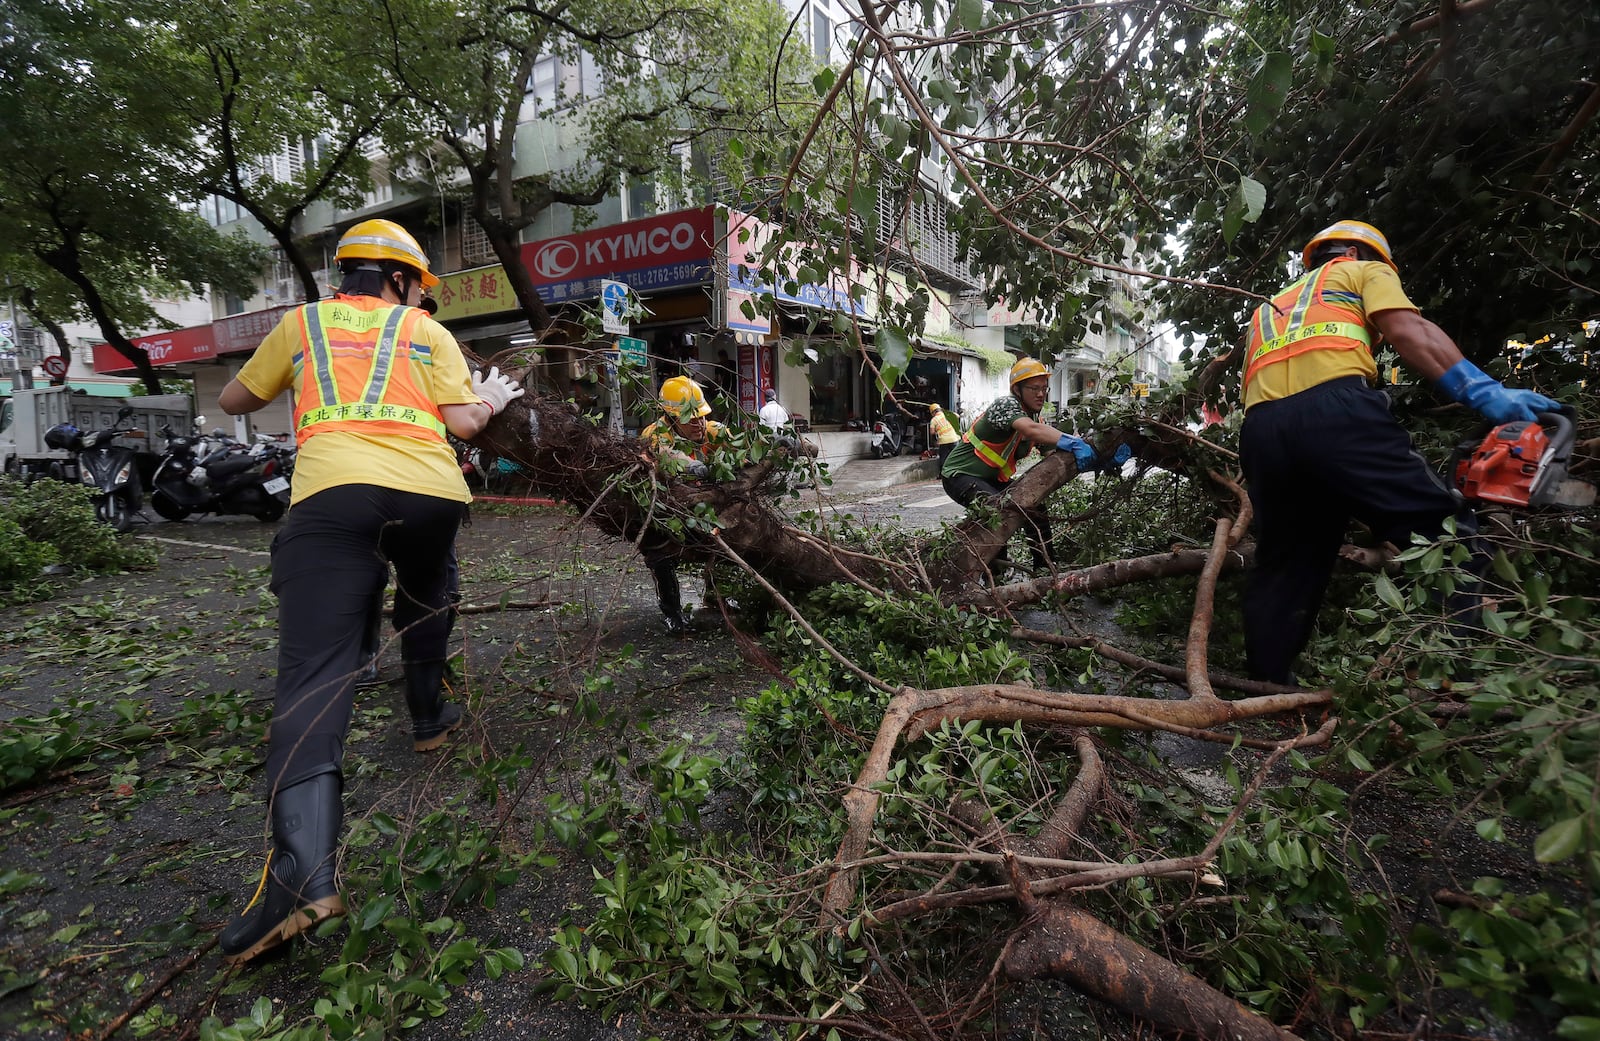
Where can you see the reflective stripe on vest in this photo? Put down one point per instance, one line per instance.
(1298, 320)
(1002, 455)
(379, 395)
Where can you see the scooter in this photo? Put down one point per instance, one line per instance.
(888, 434)
(232, 479)
(108, 468)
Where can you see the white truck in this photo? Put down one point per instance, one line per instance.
(27, 415)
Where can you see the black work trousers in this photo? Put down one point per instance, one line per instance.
(1312, 461)
(328, 563)
(969, 488)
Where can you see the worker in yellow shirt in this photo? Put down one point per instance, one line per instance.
(681, 441)
(941, 432)
(1319, 445)
(377, 384)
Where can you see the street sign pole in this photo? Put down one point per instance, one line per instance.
(614, 391)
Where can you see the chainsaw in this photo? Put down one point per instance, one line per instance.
(1522, 464)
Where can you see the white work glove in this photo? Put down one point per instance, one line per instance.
(495, 390)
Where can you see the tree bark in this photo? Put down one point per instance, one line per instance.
(30, 304)
(1072, 945)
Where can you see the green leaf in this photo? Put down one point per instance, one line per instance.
(1384, 586)
(968, 15)
(1357, 760)
(1268, 88)
(1579, 1028)
(894, 347)
(1244, 206)
(1559, 841)
(1504, 568)
(1323, 47)
(564, 962)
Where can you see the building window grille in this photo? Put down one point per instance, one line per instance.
(475, 247)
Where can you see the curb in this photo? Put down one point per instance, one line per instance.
(916, 473)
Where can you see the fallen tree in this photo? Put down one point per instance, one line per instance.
(619, 491)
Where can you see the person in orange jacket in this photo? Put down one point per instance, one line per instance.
(982, 463)
(377, 384)
(1319, 445)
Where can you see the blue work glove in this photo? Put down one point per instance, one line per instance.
(1081, 450)
(1471, 386)
(1120, 456)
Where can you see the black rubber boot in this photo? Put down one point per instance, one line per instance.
(670, 597)
(432, 717)
(298, 886)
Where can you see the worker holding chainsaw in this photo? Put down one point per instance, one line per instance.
(1319, 445)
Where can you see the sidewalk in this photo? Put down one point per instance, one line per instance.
(858, 476)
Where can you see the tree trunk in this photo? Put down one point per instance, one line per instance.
(31, 304)
(64, 260)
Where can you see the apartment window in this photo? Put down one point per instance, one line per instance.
(590, 81)
(382, 192)
(641, 198)
(544, 80)
(218, 211)
(821, 32)
(283, 286)
(556, 83)
(313, 148)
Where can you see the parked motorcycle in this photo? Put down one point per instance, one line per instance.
(234, 478)
(108, 468)
(888, 434)
(490, 475)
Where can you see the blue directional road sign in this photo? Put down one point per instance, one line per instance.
(614, 306)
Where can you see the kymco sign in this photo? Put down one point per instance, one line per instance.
(664, 252)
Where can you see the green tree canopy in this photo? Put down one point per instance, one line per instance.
(96, 218)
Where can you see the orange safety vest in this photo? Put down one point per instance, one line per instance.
(358, 372)
(1002, 455)
(1298, 320)
(939, 426)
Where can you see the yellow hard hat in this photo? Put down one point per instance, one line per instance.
(385, 240)
(682, 400)
(1027, 369)
(1351, 231)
